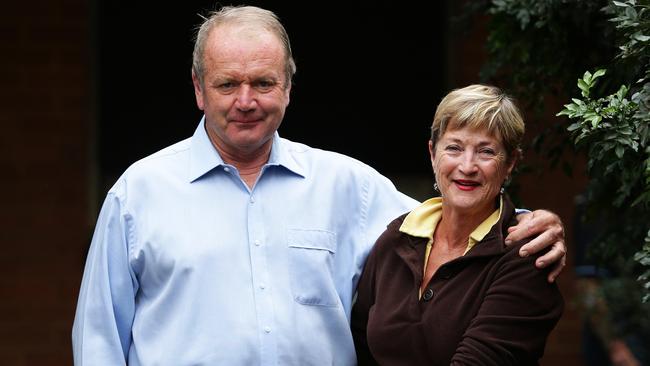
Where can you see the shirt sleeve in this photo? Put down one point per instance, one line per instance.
(101, 333)
(382, 204)
(519, 311)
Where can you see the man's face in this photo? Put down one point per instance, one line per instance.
(244, 92)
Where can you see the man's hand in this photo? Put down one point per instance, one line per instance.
(549, 231)
(621, 355)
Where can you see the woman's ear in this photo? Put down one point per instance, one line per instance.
(513, 161)
(432, 156)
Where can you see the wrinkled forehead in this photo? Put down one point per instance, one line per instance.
(242, 42)
(229, 34)
(242, 45)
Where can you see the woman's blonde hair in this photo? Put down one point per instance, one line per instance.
(481, 107)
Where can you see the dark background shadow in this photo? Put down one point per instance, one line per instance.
(369, 76)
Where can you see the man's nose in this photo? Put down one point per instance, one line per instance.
(246, 98)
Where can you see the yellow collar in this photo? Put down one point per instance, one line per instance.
(422, 222)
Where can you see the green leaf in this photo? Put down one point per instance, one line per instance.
(595, 120)
(642, 198)
(571, 107)
(624, 141)
(630, 12)
(584, 87)
(599, 73)
(641, 37)
(620, 151)
(622, 91)
(573, 127)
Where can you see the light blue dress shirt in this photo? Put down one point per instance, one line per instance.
(188, 266)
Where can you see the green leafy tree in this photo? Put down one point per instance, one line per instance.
(540, 47)
(615, 132)
(535, 46)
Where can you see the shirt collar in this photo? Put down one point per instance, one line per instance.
(204, 157)
(422, 221)
(282, 155)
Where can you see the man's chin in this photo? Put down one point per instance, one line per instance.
(251, 144)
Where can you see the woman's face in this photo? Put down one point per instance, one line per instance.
(470, 166)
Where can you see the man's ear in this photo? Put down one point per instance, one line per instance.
(287, 94)
(198, 90)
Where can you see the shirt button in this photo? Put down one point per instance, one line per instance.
(226, 169)
(428, 295)
(252, 199)
(262, 286)
(257, 243)
(267, 329)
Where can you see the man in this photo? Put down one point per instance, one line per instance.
(238, 247)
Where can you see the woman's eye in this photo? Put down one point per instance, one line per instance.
(453, 148)
(487, 152)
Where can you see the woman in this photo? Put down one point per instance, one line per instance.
(440, 286)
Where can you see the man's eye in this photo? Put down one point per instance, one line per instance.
(227, 85)
(265, 85)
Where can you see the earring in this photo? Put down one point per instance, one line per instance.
(504, 184)
(435, 186)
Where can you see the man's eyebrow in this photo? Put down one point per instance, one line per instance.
(266, 77)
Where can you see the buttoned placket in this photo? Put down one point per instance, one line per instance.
(262, 288)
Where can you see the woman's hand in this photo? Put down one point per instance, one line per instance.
(547, 230)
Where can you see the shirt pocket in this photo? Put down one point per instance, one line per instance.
(311, 257)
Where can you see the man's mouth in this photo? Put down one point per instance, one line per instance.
(247, 120)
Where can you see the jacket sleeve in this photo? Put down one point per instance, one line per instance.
(360, 310)
(519, 311)
(101, 333)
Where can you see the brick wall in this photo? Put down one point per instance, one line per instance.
(44, 151)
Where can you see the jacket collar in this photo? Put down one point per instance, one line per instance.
(423, 220)
(412, 248)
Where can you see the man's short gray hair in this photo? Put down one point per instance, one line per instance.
(241, 15)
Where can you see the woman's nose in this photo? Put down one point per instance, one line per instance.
(468, 163)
